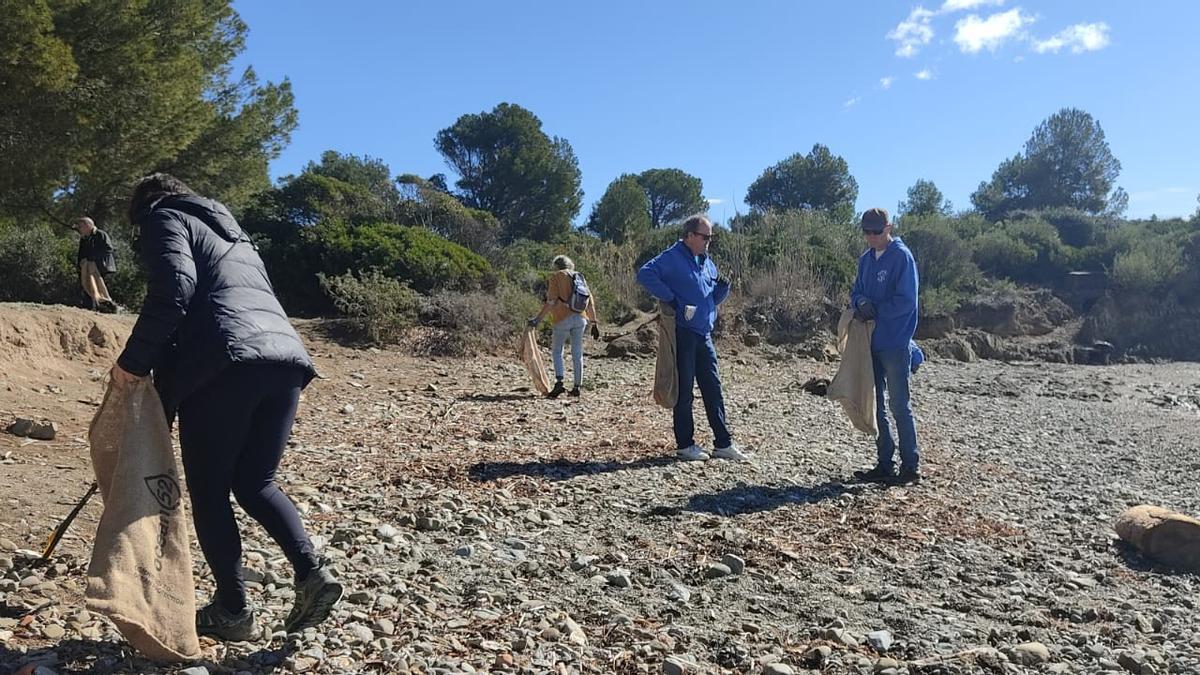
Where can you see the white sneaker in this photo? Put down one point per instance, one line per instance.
(693, 453)
(732, 452)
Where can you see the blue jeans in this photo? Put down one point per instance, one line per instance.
(571, 326)
(891, 375)
(696, 361)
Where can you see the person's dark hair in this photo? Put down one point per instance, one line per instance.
(152, 188)
(693, 223)
(562, 262)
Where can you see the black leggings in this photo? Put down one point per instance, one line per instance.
(232, 433)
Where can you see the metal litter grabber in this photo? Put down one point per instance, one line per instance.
(59, 531)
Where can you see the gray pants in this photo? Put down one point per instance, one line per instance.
(573, 326)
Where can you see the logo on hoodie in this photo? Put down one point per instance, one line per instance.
(881, 276)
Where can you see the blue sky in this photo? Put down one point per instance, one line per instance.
(943, 90)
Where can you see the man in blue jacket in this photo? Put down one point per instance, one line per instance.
(885, 291)
(686, 278)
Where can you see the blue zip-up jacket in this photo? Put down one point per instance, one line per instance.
(890, 283)
(675, 277)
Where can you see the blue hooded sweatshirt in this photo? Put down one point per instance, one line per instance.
(890, 283)
(679, 278)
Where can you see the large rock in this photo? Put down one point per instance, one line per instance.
(932, 327)
(1010, 314)
(640, 342)
(1168, 537)
(954, 347)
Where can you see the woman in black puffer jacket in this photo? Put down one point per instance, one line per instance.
(228, 362)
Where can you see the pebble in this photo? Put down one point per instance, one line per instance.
(619, 579)
(680, 665)
(717, 570)
(1030, 653)
(880, 640)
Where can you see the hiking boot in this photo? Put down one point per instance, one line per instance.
(315, 599)
(692, 453)
(557, 391)
(732, 452)
(215, 621)
(909, 477)
(875, 475)
(107, 307)
(574, 392)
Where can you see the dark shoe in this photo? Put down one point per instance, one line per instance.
(215, 621)
(875, 475)
(909, 477)
(315, 599)
(108, 307)
(574, 392)
(557, 391)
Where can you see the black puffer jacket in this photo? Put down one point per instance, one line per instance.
(209, 303)
(98, 248)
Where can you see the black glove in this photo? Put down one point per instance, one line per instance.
(865, 310)
(595, 332)
(722, 280)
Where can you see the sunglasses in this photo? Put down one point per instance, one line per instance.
(705, 237)
(873, 233)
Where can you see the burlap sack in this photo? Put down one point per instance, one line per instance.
(666, 377)
(531, 356)
(854, 384)
(93, 284)
(140, 575)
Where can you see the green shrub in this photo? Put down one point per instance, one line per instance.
(786, 303)
(376, 308)
(1000, 254)
(37, 264)
(424, 260)
(943, 260)
(127, 285)
(472, 322)
(421, 259)
(941, 301)
(1148, 267)
(835, 272)
(1075, 228)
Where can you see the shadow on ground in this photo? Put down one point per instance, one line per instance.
(560, 469)
(69, 657)
(756, 499)
(499, 398)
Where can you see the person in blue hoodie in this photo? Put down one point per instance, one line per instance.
(885, 291)
(684, 277)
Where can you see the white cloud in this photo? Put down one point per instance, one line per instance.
(851, 102)
(974, 34)
(713, 201)
(926, 74)
(1082, 37)
(886, 82)
(913, 33)
(960, 5)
